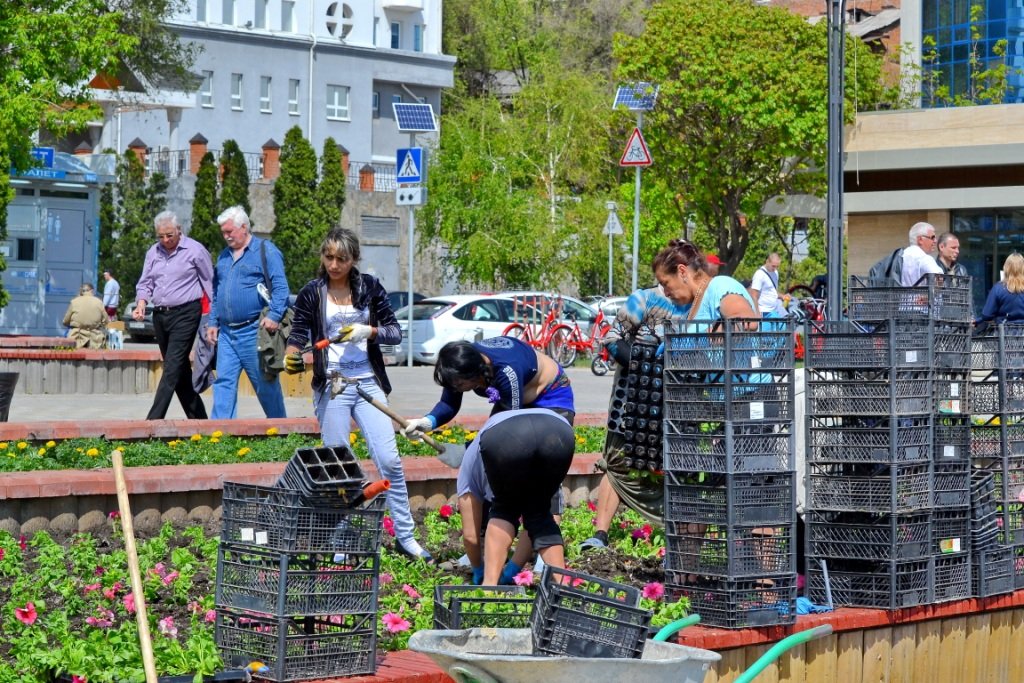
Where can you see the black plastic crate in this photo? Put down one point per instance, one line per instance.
(952, 439)
(729, 447)
(868, 392)
(274, 519)
(952, 577)
(459, 607)
(299, 648)
(326, 476)
(712, 396)
(924, 344)
(767, 498)
(732, 344)
(730, 551)
(998, 391)
(867, 536)
(884, 489)
(579, 615)
(952, 485)
(992, 572)
(1001, 348)
(951, 531)
(869, 439)
(937, 297)
(952, 393)
(1018, 566)
(879, 585)
(1002, 437)
(282, 584)
(737, 603)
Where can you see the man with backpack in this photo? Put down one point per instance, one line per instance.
(764, 287)
(917, 259)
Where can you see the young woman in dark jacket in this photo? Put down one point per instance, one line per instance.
(344, 303)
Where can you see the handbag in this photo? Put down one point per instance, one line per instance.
(270, 346)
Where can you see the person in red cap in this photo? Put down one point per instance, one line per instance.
(713, 264)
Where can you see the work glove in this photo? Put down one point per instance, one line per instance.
(293, 363)
(356, 333)
(416, 426)
(478, 575)
(508, 574)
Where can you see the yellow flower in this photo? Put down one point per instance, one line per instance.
(197, 437)
(3, 445)
(470, 436)
(80, 450)
(217, 434)
(22, 445)
(446, 432)
(174, 443)
(580, 439)
(41, 451)
(244, 451)
(214, 439)
(51, 444)
(93, 452)
(352, 437)
(272, 431)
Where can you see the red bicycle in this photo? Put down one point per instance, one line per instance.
(567, 341)
(536, 336)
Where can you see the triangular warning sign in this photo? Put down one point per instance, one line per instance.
(636, 153)
(409, 169)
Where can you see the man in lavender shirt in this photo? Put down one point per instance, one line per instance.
(177, 272)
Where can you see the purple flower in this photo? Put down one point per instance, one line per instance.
(493, 395)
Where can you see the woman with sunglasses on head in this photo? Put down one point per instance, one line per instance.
(681, 270)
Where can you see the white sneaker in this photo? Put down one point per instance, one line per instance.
(538, 565)
(463, 561)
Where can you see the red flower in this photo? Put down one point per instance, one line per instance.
(389, 526)
(591, 506)
(75, 678)
(1, 553)
(22, 542)
(27, 614)
(446, 511)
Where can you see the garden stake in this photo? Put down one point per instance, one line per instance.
(145, 642)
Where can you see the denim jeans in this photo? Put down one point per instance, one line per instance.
(335, 417)
(236, 351)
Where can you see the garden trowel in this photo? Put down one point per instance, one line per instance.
(450, 454)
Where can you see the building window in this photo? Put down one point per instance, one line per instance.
(228, 13)
(396, 99)
(288, 15)
(417, 37)
(206, 91)
(236, 92)
(396, 35)
(200, 10)
(265, 94)
(376, 104)
(293, 96)
(260, 20)
(337, 102)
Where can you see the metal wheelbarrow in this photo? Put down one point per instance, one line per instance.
(505, 655)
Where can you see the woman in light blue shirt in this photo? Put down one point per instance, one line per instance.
(681, 271)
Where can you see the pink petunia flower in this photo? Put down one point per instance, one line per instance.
(654, 591)
(169, 579)
(523, 578)
(129, 603)
(114, 515)
(27, 614)
(661, 552)
(75, 678)
(90, 588)
(394, 623)
(22, 542)
(389, 526)
(446, 511)
(210, 616)
(1, 554)
(410, 591)
(385, 578)
(99, 571)
(643, 532)
(591, 506)
(105, 620)
(167, 627)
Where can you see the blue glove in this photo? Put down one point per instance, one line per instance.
(478, 575)
(508, 574)
(658, 352)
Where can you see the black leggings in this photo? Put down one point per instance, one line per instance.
(526, 458)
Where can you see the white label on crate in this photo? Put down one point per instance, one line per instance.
(757, 410)
(755, 362)
(949, 451)
(262, 538)
(954, 390)
(954, 406)
(911, 356)
(247, 534)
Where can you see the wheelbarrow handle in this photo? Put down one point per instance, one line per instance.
(781, 647)
(402, 422)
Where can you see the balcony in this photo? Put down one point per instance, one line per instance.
(403, 5)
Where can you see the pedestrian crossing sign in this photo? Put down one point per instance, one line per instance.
(636, 153)
(409, 165)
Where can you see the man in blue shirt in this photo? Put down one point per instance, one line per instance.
(244, 264)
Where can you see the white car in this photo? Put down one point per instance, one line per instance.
(441, 319)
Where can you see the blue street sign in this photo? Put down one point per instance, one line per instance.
(409, 165)
(44, 155)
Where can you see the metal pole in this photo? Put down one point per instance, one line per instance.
(834, 226)
(636, 212)
(609, 264)
(412, 235)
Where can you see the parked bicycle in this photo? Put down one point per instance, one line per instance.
(537, 336)
(566, 342)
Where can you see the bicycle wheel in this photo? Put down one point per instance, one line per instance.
(599, 366)
(560, 346)
(517, 331)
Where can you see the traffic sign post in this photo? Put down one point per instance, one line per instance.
(409, 166)
(636, 153)
(637, 97)
(612, 227)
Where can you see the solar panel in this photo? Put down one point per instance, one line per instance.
(413, 117)
(636, 96)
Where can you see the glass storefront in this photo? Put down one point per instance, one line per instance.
(987, 237)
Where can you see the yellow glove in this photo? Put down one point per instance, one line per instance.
(356, 333)
(293, 363)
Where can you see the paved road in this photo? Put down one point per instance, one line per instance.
(413, 393)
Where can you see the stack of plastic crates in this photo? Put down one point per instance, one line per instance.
(297, 583)
(730, 508)
(997, 453)
(636, 407)
(579, 615)
(459, 607)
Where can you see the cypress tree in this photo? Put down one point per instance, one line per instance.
(205, 207)
(298, 230)
(331, 191)
(234, 184)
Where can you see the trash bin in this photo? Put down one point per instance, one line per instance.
(8, 380)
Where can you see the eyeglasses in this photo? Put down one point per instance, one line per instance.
(928, 237)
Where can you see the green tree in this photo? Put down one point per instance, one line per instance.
(741, 115)
(331, 190)
(234, 183)
(205, 208)
(160, 56)
(298, 230)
